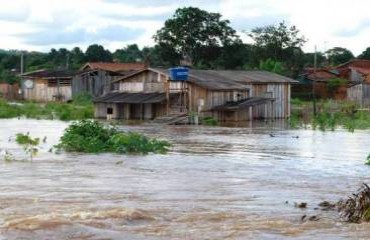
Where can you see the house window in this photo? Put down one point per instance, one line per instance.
(109, 110)
(267, 94)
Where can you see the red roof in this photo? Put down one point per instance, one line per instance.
(321, 75)
(114, 67)
(362, 70)
(356, 63)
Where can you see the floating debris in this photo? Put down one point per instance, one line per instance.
(356, 208)
(300, 205)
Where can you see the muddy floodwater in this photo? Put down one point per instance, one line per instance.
(215, 183)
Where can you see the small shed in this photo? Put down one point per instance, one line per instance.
(358, 74)
(9, 91)
(47, 85)
(95, 78)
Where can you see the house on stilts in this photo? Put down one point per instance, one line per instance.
(225, 95)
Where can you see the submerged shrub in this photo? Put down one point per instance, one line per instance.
(209, 121)
(368, 160)
(93, 137)
(28, 143)
(356, 208)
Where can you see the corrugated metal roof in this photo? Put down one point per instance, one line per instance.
(248, 102)
(239, 76)
(48, 74)
(114, 67)
(224, 79)
(124, 97)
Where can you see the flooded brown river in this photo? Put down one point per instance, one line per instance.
(216, 183)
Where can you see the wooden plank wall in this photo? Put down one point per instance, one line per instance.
(41, 92)
(96, 83)
(360, 94)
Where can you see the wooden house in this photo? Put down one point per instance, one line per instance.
(224, 95)
(9, 91)
(318, 82)
(357, 72)
(95, 78)
(47, 85)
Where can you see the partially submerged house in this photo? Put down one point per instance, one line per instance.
(47, 85)
(357, 72)
(224, 95)
(95, 78)
(321, 83)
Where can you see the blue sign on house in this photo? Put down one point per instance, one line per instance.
(179, 73)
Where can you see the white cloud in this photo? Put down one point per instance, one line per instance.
(326, 23)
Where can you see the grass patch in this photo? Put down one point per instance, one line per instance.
(330, 115)
(76, 110)
(209, 121)
(93, 137)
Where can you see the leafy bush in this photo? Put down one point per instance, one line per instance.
(209, 121)
(368, 160)
(28, 143)
(335, 83)
(82, 98)
(93, 137)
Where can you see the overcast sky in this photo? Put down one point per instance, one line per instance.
(41, 25)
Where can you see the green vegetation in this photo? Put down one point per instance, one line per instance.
(368, 160)
(28, 143)
(271, 66)
(356, 208)
(80, 108)
(330, 115)
(335, 83)
(209, 121)
(93, 137)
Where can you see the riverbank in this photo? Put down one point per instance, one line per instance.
(330, 115)
(75, 110)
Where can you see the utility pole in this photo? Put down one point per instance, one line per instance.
(67, 61)
(22, 62)
(313, 82)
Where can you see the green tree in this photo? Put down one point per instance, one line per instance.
(77, 58)
(273, 41)
(161, 55)
(192, 29)
(309, 59)
(130, 53)
(97, 53)
(271, 65)
(8, 77)
(365, 54)
(338, 55)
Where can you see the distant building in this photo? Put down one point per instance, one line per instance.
(357, 72)
(95, 78)
(47, 85)
(224, 95)
(9, 91)
(356, 85)
(319, 80)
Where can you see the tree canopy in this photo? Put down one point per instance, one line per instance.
(97, 53)
(339, 55)
(191, 31)
(273, 41)
(280, 43)
(365, 54)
